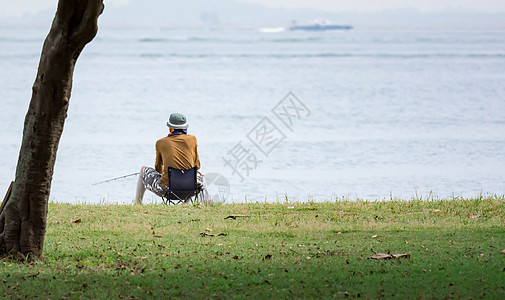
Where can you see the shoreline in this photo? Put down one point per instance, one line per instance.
(414, 198)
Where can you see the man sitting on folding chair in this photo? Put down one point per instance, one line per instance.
(176, 158)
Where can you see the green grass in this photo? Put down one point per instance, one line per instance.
(283, 250)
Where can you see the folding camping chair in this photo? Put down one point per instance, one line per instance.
(183, 187)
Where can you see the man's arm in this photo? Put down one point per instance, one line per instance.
(197, 159)
(158, 165)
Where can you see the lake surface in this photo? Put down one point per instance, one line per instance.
(372, 114)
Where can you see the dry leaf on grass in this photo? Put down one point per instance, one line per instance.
(473, 216)
(378, 255)
(436, 210)
(388, 256)
(234, 217)
(211, 234)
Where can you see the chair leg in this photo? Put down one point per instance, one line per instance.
(192, 199)
(198, 197)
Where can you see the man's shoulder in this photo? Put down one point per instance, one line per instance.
(192, 138)
(162, 139)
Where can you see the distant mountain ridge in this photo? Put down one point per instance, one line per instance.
(233, 13)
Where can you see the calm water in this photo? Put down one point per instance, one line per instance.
(381, 112)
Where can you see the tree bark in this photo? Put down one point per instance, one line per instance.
(23, 220)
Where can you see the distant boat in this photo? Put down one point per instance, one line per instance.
(319, 25)
(272, 29)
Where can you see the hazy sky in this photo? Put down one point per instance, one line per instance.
(377, 5)
(20, 7)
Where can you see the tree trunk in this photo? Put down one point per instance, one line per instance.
(23, 220)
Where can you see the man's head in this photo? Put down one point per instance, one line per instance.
(177, 121)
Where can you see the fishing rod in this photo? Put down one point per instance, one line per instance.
(116, 178)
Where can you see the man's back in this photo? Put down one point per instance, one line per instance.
(176, 151)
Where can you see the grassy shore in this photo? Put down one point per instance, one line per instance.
(283, 250)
